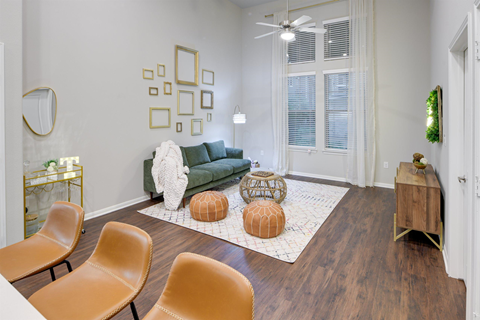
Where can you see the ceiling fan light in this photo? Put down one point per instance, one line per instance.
(287, 35)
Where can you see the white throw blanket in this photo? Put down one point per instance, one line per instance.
(169, 174)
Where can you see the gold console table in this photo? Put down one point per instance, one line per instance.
(38, 182)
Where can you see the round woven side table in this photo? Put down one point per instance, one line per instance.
(254, 188)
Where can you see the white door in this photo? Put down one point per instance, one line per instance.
(3, 207)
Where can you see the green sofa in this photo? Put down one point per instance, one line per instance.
(210, 164)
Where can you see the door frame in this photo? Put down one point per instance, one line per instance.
(456, 223)
(3, 189)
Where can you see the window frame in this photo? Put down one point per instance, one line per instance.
(325, 149)
(329, 21)
(305, 148)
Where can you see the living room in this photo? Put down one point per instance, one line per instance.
(114, 68)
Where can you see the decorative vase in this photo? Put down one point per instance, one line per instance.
(52, 175)
(419, 166)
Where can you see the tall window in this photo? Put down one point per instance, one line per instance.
(336, 110)
(336, 39)
(302, 50)
(301, 109)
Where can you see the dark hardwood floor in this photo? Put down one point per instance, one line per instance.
(351, 269)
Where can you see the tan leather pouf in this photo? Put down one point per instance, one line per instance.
(209, 206)
(263, 219)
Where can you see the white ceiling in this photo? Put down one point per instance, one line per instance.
(249, 3)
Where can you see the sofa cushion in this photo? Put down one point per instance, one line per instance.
(219, 171)
(216, 150)
(184, 156)
(198, 177)
(196, 155)
(237, 164)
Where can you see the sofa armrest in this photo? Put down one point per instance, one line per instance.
(148, 183)
(234, 153)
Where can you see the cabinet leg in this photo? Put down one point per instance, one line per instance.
(395, 227)
(184, 201)
(151, 195)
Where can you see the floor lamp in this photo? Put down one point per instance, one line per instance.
(237, 118)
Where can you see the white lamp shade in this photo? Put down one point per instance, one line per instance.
(239, 118)
(288, 35)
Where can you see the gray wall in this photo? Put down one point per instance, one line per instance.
(403, 83)
(447, 17)
(92, 54)
(11, 35)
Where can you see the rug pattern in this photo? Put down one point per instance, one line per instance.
(306, 207)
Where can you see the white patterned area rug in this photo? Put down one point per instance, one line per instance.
(306, 207)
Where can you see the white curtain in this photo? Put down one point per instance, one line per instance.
(280, 99)
(361, 95)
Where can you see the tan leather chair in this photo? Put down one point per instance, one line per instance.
(106, 283)
(200, 288)
(46, 249)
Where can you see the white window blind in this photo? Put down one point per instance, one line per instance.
(336, 111)
(336, 39)
(302, 50)
(301, 110)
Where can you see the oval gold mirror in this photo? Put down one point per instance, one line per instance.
(40, 110)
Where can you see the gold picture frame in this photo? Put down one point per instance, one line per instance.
(165, 91)
(153, 91)
(207, 81)
(145, 74)
(181, 93)
(183, 57)
(206, 99)
(209, 117)
(179, 127)
(160, 66)
(152, 125)
(194, 131)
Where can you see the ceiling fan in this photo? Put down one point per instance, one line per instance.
(287, 27)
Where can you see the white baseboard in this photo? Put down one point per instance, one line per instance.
(445, 258)
(319, 176)
(116, 207)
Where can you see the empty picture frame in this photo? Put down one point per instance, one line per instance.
(206, 99)
(209, 117)
(160, 70)
(153, 91)
(167, 88)
(208, 77)
(148, 74)
(179, 127)
(186, 66)
(197, 127)
(185, 102)
(159, 117)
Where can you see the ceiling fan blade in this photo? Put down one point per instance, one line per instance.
(266, 34)
(268, 24)
(300, 21)
(312, 30)
(308, 25)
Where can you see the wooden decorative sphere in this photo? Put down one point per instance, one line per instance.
(254, 188)
(263, 219)
(209, 206)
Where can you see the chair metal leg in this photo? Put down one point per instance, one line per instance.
(69, 266)
(134, 311)
(52, 273)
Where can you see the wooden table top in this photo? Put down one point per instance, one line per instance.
(407, 175)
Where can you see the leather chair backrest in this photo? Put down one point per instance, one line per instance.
(125, 251)
(64, 224)
(201, 288)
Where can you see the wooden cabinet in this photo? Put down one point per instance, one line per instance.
(418, 202)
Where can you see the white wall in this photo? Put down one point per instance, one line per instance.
(447, 17)
(403, 78)
(11, 35)
(92, 54)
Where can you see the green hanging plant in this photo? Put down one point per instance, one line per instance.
(433, 126)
